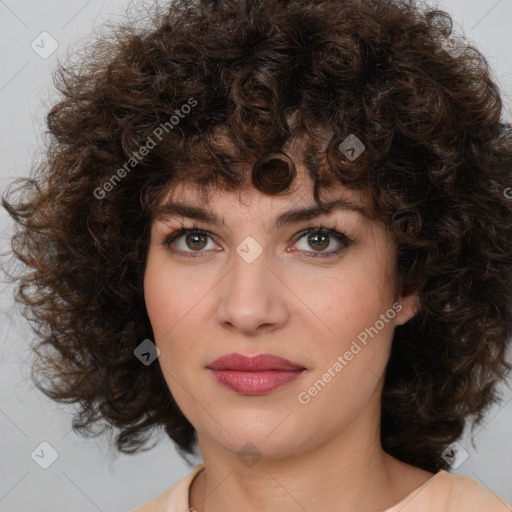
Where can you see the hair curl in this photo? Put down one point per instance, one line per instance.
(436, 163)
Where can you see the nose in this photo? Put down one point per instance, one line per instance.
(252, 297)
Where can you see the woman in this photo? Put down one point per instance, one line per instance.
(279, 230)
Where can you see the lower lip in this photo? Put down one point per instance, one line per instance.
(255, 383)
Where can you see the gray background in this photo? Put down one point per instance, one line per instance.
(88, 475)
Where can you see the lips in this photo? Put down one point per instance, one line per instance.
(257, 363)
(254, 375)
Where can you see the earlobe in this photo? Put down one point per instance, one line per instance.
(410, 305)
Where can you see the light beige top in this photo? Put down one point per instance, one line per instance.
(443, 492)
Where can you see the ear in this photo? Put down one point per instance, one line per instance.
(410, 305)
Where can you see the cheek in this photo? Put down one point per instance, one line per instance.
(351, 359)
(346, 303)
(165, 308)
(169, 296)
(176, 308)
(354, 351)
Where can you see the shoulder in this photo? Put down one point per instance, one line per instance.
(445, 492)
(174, 499)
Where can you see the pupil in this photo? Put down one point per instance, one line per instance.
(316, 235)
(194, 238)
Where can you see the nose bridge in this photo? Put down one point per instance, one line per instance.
(249, 274)
(249, 296)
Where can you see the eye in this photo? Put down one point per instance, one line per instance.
(194, 240)
(191, 238)
(321, 238)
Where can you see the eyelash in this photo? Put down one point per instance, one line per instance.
(340, 237)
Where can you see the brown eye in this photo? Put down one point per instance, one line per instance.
(195, 240)
(191, 240)
(318, 240)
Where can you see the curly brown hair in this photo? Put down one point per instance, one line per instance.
(437, 160)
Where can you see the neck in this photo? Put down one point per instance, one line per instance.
(350, 472)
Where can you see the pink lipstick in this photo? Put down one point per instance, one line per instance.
(255, 375)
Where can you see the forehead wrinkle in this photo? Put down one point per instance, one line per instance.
(295, 215)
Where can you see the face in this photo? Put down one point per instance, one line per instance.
(325, 302)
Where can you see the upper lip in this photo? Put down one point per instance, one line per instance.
(257, 363)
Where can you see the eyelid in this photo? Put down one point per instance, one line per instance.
(341, 237)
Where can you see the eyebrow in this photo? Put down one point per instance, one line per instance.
(175, 209)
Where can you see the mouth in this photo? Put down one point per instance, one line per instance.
(256, 375)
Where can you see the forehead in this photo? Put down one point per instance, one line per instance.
(213, 207)
(300, 192)
(307, 152)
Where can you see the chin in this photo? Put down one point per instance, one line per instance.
(269, 437)
(247, 445)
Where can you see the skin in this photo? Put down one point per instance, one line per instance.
(325, 454)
